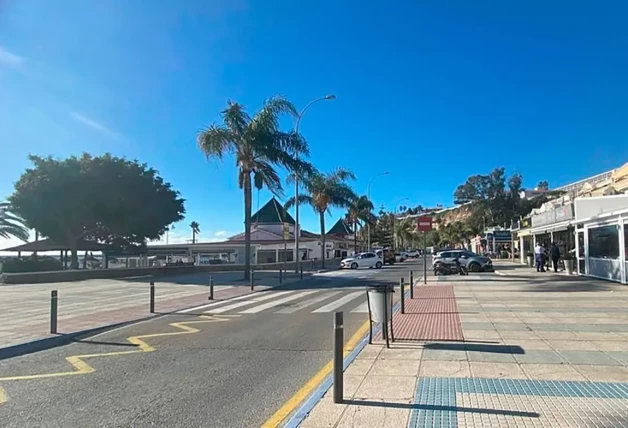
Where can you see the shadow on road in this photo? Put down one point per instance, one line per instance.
(390, 405)
(495, 349)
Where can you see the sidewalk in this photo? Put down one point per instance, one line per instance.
(84, 305)
(518, 350)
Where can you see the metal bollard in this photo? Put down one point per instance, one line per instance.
(211, 288)
(411, 285)
(338, 357)
(53, 312)
(301, 271)
(424, 267)
(280, 276)
(403, 296)
(252, 280)
(152, 297)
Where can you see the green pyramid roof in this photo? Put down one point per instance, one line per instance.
(272, 213)
(340, 228)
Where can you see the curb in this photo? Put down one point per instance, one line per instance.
(310, 402)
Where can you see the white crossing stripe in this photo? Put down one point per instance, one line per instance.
(338, 303)
(260, 308)
(212, 304)
(306, 303)
(227, 308)
(362, 309)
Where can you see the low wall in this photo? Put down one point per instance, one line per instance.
(84, 274)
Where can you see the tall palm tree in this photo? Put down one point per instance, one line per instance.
(196, 229)
(403, 231)
(360, 210)
(258, 145)
(323, 191)
(11, 225)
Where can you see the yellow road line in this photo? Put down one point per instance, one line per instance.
(81, 367)
(290, 405)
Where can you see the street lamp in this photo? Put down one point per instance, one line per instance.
(296, 183)
(368, 195)
(394, 218)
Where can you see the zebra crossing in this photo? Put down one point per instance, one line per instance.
(289, 302)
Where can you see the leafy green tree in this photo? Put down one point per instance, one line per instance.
(196, 229)
(382, 233)
(403, 232)
(360, 211)
(323, 191)
(108, 199)
(258, 146)
(543, 185)
(11, 225)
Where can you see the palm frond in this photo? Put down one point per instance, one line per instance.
(303, 200)
(268, 176)
(215, 141)
(12, 225)
(267, 118)
(236, 119)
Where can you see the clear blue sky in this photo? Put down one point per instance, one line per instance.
(430, 91)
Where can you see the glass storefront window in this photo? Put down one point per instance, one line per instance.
(604, 242)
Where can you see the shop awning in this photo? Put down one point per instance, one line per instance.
(556, 227)
(523, 233)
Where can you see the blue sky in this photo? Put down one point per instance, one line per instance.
(431, 91)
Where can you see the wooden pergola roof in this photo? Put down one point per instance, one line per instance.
(50, 245)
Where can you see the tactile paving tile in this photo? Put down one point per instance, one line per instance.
(479, 402)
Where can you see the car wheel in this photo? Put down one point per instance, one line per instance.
(354, 265)
(378, 265)
(474, 267)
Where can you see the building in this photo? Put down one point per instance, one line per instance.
(272, 241)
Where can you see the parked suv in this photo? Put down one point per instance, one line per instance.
(473, 262)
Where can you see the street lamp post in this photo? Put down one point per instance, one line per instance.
(296, 184)
(394, 219)
(368, 195)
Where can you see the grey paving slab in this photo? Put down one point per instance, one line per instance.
(478, 326)
(589, 358)
(551, 327)
(603, 328)
(538, 356)
(620, 356)
(444, 355)
(511, 326)
(490, 357)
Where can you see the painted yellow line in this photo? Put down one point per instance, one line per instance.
(81, 367)
(290, 405)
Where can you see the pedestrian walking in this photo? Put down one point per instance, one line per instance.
(555, 255)
(539, 254)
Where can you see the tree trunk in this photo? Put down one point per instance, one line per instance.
(355, 237)
(193, 237)
(85, 260)
(322, 219)
(247, 225)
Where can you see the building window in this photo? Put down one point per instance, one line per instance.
(604, 242)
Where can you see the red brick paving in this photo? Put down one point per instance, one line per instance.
(431, 315)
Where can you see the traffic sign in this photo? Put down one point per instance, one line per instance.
(424, 224)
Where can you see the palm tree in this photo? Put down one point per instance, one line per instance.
(196, 229)
(403, 231)
(11, 225)
(258, 145)
(325, 190)
(360, 210)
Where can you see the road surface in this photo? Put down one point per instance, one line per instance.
(231, 364)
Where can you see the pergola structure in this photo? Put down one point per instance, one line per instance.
(50, 245)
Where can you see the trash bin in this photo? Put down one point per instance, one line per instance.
(380, 304)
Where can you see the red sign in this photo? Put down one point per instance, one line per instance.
(424, 224)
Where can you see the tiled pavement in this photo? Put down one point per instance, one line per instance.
(539, 350)
(25, 309)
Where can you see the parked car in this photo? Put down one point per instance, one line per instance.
(400, 257)
(369, 260)
(473, 262)
(413, 253)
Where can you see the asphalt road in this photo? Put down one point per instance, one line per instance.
(246, 359)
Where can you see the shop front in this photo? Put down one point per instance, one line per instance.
(602, 234)
(556, 226)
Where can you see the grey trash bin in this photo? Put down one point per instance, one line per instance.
(380, 305)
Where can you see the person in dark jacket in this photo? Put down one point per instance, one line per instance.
(555, 255)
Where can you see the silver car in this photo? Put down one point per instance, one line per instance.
(473, 262)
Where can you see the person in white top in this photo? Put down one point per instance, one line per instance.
(539, 254)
